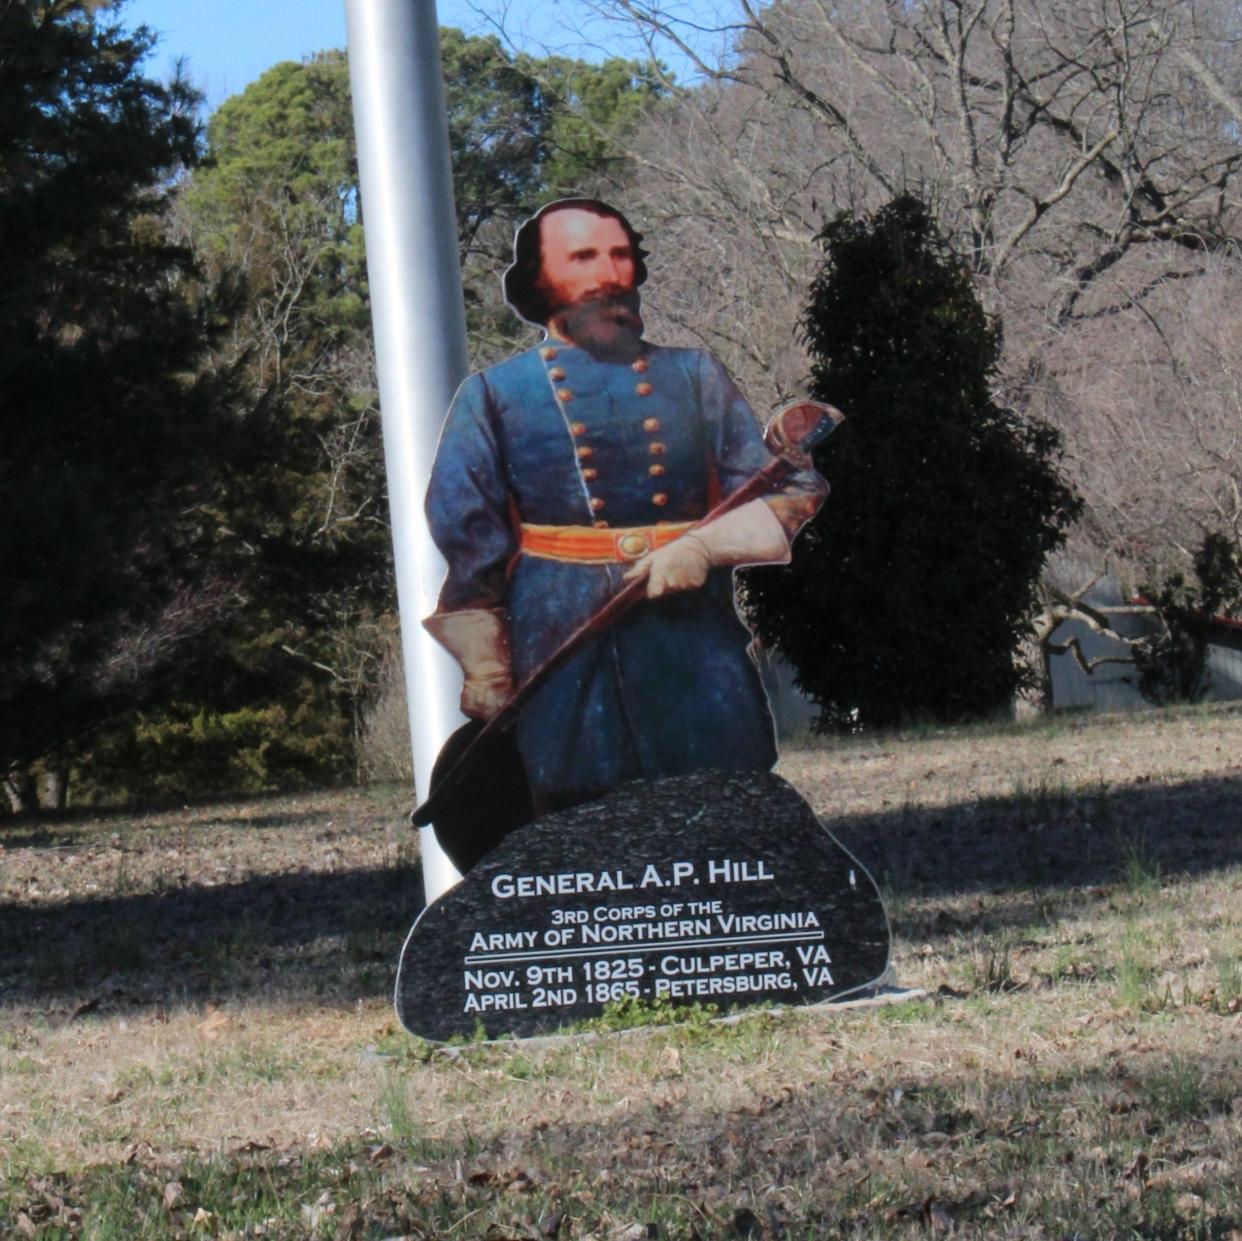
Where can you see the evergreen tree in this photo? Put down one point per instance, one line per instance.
(581, 108)
(111, 427)
(909, 592)
(275, 204)
(276, 692)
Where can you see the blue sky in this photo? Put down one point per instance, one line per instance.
(229, 43)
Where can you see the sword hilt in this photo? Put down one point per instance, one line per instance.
(797, 430)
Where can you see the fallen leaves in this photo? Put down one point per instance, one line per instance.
(746, 1225)
(932, 1212)
(1198, 1174)
(216, 1021)
(514, 1180)
(925, 1113)
(85, 1008)
(48, 1207)
(314, 1213)
(629, 1232)
(550, 1225)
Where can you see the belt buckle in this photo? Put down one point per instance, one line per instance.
(633, 544)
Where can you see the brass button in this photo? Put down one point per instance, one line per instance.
(659, 499)
(655, 448)
(547, 353)
(596, 503)
(557, 373)
(590, 474)
(640, 365)
(651, 424)
(644, 388)
(600, 525)
(564, 394)
(655, 470)
(577, 428)
(585, 451)
(633, 545)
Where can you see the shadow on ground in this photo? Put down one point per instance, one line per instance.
(286, 938)
(336, 936)
(56, 831)
(49, 828)
(1047, 840)
(983, 1153)
(1051, 838)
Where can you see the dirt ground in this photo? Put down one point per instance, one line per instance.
(211, 983)
(1052, 802)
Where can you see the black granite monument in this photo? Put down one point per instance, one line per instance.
(717, 888)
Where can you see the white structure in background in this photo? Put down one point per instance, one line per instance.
(1114, 687)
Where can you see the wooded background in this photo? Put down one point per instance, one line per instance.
(192, 515)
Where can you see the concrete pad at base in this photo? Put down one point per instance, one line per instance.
(881, 997)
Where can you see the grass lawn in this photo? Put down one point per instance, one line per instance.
(196, 1036)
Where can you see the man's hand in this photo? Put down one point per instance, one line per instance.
(682, 565)
(482, 697)
(747, 535)
(478, 639)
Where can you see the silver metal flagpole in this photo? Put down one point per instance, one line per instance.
(420, 332)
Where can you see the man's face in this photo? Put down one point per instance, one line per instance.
(584, 256)
(587, 273)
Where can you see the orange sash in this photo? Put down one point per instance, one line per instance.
(587, 545)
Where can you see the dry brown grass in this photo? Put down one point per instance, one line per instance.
(199, 998)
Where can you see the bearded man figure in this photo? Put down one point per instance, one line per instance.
(579, 465)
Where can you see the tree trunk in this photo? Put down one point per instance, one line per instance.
(1035, 699)
(22, 792)
(54, 787)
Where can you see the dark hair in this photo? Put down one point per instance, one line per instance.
(521, 278)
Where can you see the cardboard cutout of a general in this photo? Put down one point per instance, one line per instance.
(592, 497)
(581, 465)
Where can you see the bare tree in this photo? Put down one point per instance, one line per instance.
(1084, 157)
(1030, 123)
(1150, 400)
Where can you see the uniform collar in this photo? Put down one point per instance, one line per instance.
(551, 349)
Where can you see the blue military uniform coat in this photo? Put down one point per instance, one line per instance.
(555, 437)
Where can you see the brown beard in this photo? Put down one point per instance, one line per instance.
(607, 326)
